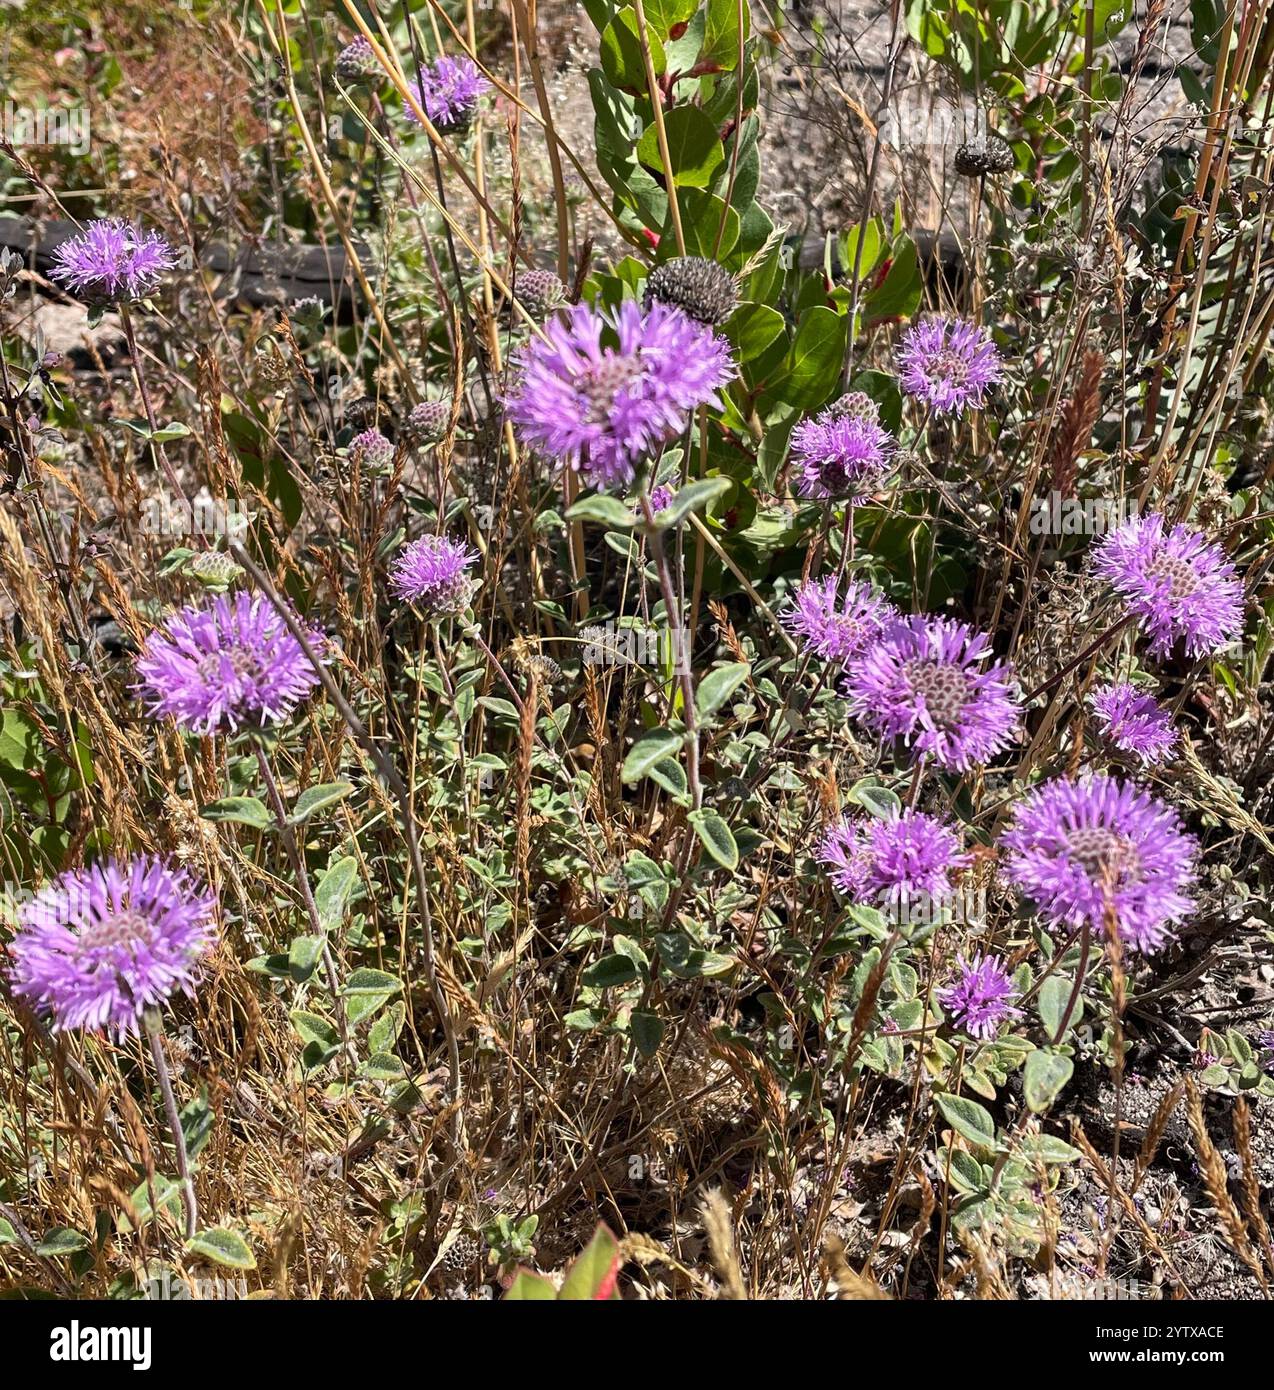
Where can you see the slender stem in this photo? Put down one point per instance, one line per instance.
(288, 836)
(156, 449)
(155, 1036)
(681, 653)
(393, 779)
(1065, 1023)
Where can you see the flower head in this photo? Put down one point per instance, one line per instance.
(112, 259)
(602, 407)
(924, 683)
(230, 664)
(891, 862)
(1177, 586)
(434, 573)
(979, 999)
(356, 61)
(371, 452)
(837, 628)
(841, 453)
(427, 422)
(98, 946)
(700, 288)
(1134, 722)
(661, 496)
(1082, 850)
(949, 364)
(448, 92)
(983, 155)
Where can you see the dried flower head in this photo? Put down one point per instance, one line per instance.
(112, 260)
(228, 665)
(1177, 587)
(924, 682)
(948, 364)
(700, 288)
(983, 156)
(603, 408)
(98, 946)
(1082, 850)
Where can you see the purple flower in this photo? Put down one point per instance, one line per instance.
(833, 628)
(1081, 850)
(448, 92)
(434, 573)
(908, 857)
(232, 662)
(1177, 586)
(1134, 722)
(949, 364)
(603, 408)
(371, 451)
(98, 946)
(923, 683)
(841, 455)
(979, 1000)
(112, 259)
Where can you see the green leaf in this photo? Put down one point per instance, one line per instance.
(222, 1246)
(604, 509)
(61, 1240)
(751, 329)
(721, 37)
(969, 1119)
(382, 1066)
(527, 1285)
(595, 1273)
(384, 1032)
(671, 776)
(1054, 995)
(314, 1029)
(334, 889)
(646, 1030)
(876, 800)
(303, 956)
(650, 749)
(1048, 1149)
(692, 498)
(317, 799)
(813, 364)
(694, 147)
(244, 810)
(368, 981)
(8, 1236)
(716, 837)
(1045, 1075)
(621, 54)
(167, 1199)
(611, 971)
(718, 685)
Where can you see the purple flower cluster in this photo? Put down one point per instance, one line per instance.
(926, 683)
(448, 92)
(980, 999)
(98, 946)
(230, 664)
(112, 260)
(1102, 850)
(434, 573)
(1134, 722)
(905, 858)
(948, 364)
(834, 627)
(841, 455)
(601, 391)
(1174, 584)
